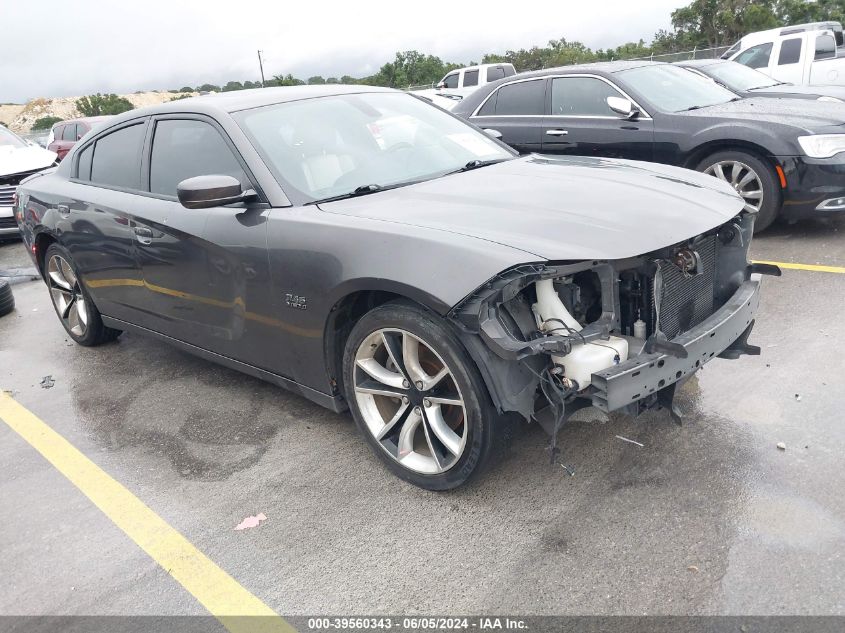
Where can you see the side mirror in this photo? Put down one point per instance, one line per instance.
(204, 192)
(441, 85)
(496, 134)
(623, 107)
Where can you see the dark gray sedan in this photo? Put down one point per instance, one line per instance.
(370, 251)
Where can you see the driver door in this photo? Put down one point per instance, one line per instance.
(205, 270)
(581, 123)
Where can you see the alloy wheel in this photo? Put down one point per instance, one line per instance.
(410, 401)
(67, 295)
(743, 179)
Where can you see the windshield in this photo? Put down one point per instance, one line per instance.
(334, 145)
(10, 138)
(738, 77)
(674, 89)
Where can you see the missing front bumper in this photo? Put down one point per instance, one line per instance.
(723, 333)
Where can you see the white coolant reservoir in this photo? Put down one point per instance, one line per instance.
(584, 360)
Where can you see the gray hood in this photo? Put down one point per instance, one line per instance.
(560, 208)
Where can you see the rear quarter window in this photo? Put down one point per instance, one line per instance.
(790, 52)
(521, 98)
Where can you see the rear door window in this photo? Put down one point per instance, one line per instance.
(184, 148)
(582, 96)
(790, 52)
(117, 158)
(756, 56)
(494, 73)
(69, 133)
(523, 98)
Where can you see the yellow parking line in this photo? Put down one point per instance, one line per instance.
(816, 268)
(216, 590)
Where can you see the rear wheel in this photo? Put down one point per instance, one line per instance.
(73, 305)
(417, 397)
(754, 180)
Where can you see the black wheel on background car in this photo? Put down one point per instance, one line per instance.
(751, 178)
(417, 397)
(73, 305)
(7, 300)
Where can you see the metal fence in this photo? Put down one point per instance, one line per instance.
(696, 53)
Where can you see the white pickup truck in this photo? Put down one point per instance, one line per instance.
(458, 83)
(805, 54)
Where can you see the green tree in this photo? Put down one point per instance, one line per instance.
(332, 80)
(208, 88)
(284, 80)
(348, 80)
(180, 97)
(233, 85)
(45, 123)
(248, 85)
(102, 104)
(185, 89)
(316, 80)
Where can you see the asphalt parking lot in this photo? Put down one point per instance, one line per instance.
(707, 518)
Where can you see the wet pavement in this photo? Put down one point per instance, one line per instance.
(707, 518)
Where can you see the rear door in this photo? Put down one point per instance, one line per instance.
(516, 109)
(205, 270)
(581, 123)
(788, 59)
(97, 219)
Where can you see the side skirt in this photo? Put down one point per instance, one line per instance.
(335, 403)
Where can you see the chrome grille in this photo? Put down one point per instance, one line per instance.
(9, 183)
(687, 301)
(6, 194)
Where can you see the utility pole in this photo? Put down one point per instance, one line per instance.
(261, 66)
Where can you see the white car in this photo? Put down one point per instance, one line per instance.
(18, 159)
(460, 82)
(804, 55)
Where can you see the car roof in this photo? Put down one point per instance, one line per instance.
(228, 102)
(701, 63)
(83, 119)
(596, 67)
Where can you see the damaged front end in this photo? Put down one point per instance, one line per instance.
(617, 334)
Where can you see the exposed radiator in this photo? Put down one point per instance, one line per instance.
(687, 301)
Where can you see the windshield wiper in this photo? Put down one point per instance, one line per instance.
(363, 190)
(475, 164)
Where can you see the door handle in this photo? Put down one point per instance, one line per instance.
(556, 132)
(143, 235)
(63, 209)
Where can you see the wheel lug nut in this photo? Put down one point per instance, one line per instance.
(419, 384)
(405, 400)
(426, 403)
(406, 384)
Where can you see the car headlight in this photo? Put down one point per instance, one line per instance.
(828, 99)
(822, 145)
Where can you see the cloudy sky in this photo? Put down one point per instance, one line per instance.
(59, 48)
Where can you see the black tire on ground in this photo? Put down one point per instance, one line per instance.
(95, 333)
(7, 301)
(480, 419)
(772, 200)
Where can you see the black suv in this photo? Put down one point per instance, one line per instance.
(782, 158)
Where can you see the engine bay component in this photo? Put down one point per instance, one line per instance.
(583, 360)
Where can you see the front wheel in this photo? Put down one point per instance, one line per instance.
(417, 397)
(752, 179)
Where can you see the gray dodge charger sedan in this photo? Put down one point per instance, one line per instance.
(373, 252)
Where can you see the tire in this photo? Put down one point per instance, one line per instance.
(436, 437)
(769, 205)
(74, 307)
(7, 300)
